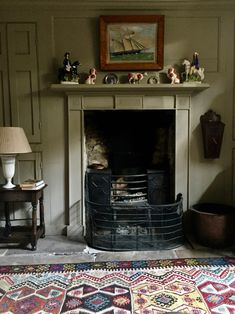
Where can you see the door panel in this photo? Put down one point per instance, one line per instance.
(23, 78)
(4, 91)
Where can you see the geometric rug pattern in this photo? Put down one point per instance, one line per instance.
(188, 286)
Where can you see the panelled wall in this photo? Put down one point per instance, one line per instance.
(19, 90)
(233, 119)
(34, 36)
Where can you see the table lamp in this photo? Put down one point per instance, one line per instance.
(13, 141)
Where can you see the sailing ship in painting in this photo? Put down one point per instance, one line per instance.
(127, 45)
(130, 43)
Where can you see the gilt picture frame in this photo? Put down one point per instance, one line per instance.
(131, 42)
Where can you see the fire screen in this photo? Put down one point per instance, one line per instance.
(131, 212)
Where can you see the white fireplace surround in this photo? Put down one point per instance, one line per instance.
(123, 97)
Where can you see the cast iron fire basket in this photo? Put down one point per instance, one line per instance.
(129, 220)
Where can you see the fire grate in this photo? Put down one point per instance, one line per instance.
(121, 217)
(128, 188)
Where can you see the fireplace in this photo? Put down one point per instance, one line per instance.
(129, 192)
(151, 101)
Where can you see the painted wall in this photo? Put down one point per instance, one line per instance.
(206, 27)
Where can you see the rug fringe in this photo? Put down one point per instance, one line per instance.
(187, 263)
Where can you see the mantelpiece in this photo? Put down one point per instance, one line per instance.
(166, 89)
(129, 96)
(83, 97)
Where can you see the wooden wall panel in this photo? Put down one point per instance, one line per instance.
(28, 166)
(233, 176)
(23, 75)
(2, 35)
(82, 42)
(4, 92)
(185, 35)
(24, 112)
(233, 124)
(1, 100)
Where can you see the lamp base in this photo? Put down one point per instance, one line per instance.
(8, 167)
(9, 185)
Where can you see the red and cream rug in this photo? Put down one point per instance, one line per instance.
(188, 286)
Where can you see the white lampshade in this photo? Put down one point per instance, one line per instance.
(12, 141)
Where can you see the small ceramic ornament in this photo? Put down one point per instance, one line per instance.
(136, 77)
(173, 76)
(111, 78)
(192, 70)
(69, 72)
(90, 80)
(155, 79)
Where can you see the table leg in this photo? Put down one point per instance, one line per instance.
(7, 231)
(42, 221)
(34, 227)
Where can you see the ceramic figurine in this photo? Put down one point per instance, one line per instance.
(67, 63)
(135, 77)
(155, 79)
(69, 72)
(187, 66)
(91, 77)
(195, 62)
(173, 76)
(193, 72)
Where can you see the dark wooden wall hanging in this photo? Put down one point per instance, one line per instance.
(212, 133)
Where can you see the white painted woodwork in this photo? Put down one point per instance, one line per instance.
(128, 102)
(102, 90)
(104, 102)
(159, 102)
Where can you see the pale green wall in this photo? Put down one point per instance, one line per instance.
(73, 27)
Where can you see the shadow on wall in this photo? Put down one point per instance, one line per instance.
(216, 191)
(196, 145)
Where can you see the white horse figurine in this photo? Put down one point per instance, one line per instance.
(192, 72)
(171, 73)
(197, 73)
(136, 77)
(187, 67)
(91, 77)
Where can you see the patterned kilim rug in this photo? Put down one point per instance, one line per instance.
(188, 286)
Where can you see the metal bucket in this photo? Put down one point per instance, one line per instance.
(213, 224)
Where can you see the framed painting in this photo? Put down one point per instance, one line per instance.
(131, 42)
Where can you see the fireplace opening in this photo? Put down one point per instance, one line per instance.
(129, 142)
(130, 198)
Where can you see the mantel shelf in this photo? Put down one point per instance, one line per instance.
(163, 89)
